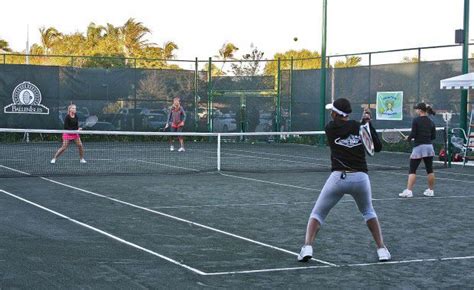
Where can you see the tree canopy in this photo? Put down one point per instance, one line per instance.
(4, 46)
(128, 45)
(124, 43)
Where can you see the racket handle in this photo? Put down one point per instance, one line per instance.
(366, 116)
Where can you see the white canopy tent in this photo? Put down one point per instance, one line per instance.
(465, 81)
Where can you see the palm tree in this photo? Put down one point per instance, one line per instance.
(112, 31)
(48, 37)
(168, 50)
(350, 61)
(4, 46)
(133, 34)
(94, 33)
(413, 59)
(112, 39)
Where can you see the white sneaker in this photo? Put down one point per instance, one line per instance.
(171, 148)
(83, 161)
(53, 161)
(428, 192)
(384, 254)
(306, 253)
(181, 149)
(406, 193)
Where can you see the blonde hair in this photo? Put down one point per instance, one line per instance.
(69, 107)
(174, 100)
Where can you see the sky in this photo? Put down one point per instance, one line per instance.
(200, 27)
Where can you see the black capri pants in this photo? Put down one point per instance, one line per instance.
(414, 163)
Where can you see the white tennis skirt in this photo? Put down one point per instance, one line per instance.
(421, 151)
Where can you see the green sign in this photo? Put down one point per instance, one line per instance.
(389, 106)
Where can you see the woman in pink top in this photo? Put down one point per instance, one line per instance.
(176, 119)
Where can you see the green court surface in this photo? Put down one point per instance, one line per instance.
(231, 230)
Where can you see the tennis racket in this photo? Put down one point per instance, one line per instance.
(90, 121)
(163, 129)
(366, 138)
(393, 136)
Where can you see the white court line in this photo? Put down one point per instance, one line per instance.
(265, 158)
(65, 159)
(374, 199)
(341, 266)
(167, 165)
(269, 182)
(267, 270)
(454, 173)
(171, 217)
(220, 205)
(456, 163)
(320, 159)
(439, 178)
(15, 170)
(411, 261)
(105, 233)
(424, 197)
(274, 154)
(297, 156)
(307, 202)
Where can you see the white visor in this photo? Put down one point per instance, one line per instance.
(331, 107)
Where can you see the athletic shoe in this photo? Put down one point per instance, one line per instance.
(428, 192)
(306, 253)
(406, 193)
(171, 148)
(53, 161)
(384, 254)
(83, 161)
(181, 149)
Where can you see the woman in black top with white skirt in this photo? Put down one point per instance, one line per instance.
(423, 132)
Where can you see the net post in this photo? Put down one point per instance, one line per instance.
(369, 81)
(209, 95)
(445, 145)
(290, 112)
(418, 77)
(218, 152)
(446, 141)
(448, 151)
(278, 100)
(196, 102)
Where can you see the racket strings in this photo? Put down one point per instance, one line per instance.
(90, 121)
(392, 136)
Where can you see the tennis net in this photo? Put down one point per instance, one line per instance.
(26, 152)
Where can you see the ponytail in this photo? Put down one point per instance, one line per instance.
(430, 110)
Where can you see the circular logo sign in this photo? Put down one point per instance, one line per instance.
(26, 93)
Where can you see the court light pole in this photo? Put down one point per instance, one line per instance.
(27, 57)
(322, 92)
(465, 65)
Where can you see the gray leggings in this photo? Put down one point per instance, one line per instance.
(356, 184)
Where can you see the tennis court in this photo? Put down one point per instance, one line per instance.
(178, 222)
